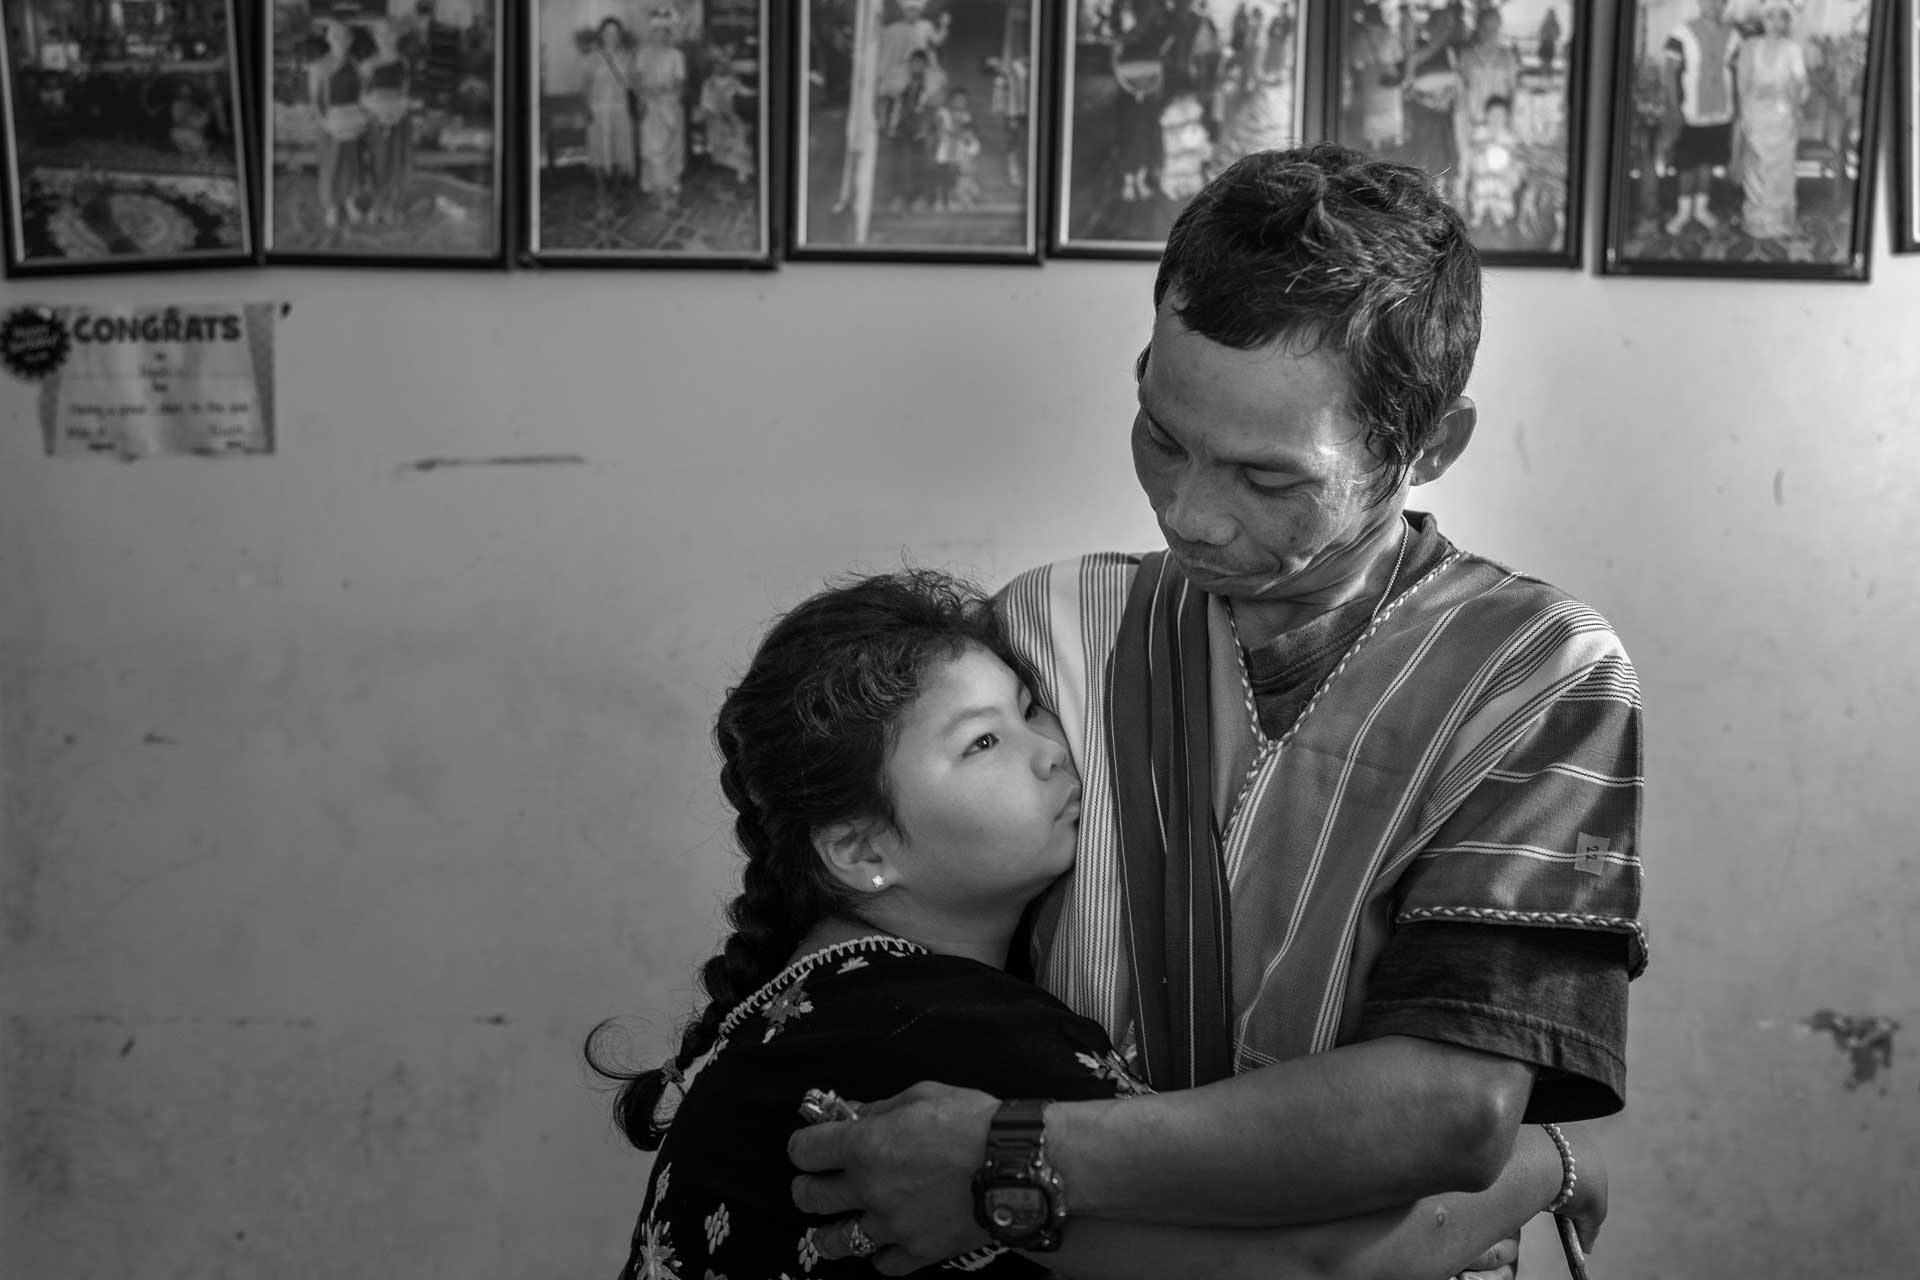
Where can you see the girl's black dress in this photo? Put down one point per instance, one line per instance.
(866, 1019)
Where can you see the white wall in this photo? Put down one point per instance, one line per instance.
(341, 799)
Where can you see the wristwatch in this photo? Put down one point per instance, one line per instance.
(1017, 1195)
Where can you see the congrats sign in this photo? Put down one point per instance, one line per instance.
(135, 381)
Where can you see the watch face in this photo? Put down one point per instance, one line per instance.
(1018, 1209)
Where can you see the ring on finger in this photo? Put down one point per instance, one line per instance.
(859, 1243)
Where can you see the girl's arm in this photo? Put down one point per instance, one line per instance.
(1433, 1238)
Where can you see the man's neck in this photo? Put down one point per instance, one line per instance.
(1259, 622)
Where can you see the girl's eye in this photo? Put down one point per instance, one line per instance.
(985, 742)
(1033, 709)
(1158, 438)
(1267, 482)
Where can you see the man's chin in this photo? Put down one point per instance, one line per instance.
(1221, 582)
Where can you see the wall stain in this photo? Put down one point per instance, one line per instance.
(504, 460)
(127, 1048)
(1779, 488)
(160, 740)
(494, 1020)
(1867, 1040)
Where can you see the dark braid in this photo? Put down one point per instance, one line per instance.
(803, 740)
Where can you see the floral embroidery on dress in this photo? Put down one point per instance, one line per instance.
(978, 1260)
(660, 1187)
(809, 1251)
(787, 1006)
(857, 962)
(718, 1225)
(1109, 1067)
(656, 1255)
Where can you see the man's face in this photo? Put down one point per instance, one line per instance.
(1256, 467)
(1712, 9)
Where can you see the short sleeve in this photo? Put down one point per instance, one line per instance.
(1555, 999)
(1549, 835)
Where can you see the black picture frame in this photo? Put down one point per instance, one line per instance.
(1431, 91)
(707, 199)
(126, 139)
(1906, 143)
(893, 198)
(384, 133)
(1148, 110)
(1787, 191)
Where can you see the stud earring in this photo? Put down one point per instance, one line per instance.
(879, 882)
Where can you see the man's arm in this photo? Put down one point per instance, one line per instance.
(1434, 1237)
(1358, 1128)
(1333, 1134)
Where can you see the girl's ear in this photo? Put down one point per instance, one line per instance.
(856, 851)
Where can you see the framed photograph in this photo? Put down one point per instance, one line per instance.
(1488, 97)
(647, 123)
(124, 137)
(1155, 98)
(384, 132)
(1743, 138)
(914, 130)
(1906, 204)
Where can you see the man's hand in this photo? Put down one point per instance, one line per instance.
(905, 1168)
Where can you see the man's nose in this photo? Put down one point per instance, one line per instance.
(1194, 512)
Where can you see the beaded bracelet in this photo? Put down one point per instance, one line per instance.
(1569, 1179)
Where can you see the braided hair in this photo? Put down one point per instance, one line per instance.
(803, 741)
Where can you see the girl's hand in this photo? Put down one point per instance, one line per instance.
(1502, 1262)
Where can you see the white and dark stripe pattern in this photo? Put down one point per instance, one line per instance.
(1448, 769)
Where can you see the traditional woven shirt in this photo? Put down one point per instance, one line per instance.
(1473, 758)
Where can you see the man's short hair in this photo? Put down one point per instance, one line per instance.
(1323, 247)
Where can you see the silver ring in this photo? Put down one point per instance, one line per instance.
(859, 1243)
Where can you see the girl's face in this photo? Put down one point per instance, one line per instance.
(339, 39)
(986, 798)
(1778, 20)
(609, 35)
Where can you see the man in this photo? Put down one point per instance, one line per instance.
(1698, 91)
(1358, 875)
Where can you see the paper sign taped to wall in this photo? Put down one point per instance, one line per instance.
(139, 381)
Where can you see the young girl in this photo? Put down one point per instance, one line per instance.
(900, 800)
(729, 138)
(1495, 169)
(389, 128)
(334, 87)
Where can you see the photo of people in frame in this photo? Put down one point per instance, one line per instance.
(123, 146)
(1159, 96)
(383, 130)
(915, 132)
(1485, 97)
(649, 123)
(1743, 124)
